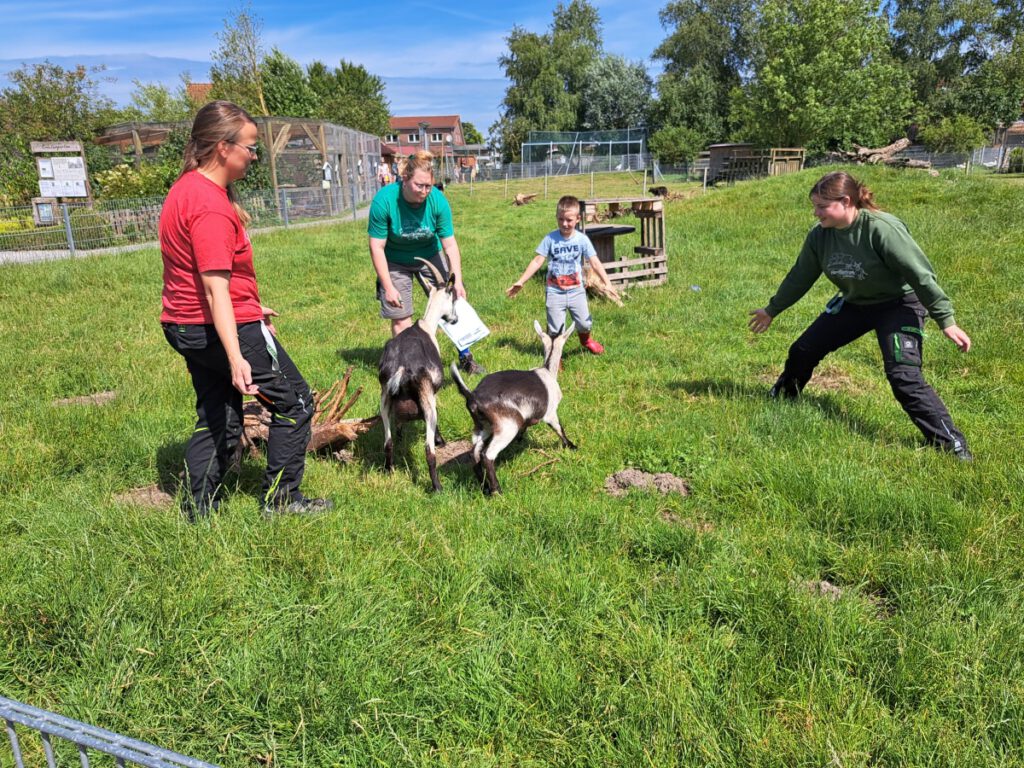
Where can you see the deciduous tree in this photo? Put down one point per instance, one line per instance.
(615, 94)
(237, 63)
(823, 78)
(349, 95)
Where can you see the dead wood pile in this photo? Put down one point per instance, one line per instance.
(330, 429)
(884, 155)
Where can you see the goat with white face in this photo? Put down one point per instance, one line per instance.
(410, 372)
(506, 403)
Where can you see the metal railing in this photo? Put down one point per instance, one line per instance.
(85, 737)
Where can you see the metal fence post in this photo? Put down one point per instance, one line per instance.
(67, 228)
(284, 206)
(353, 199)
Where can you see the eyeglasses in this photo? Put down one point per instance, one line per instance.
(252, 149)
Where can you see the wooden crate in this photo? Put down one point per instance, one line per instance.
(648, 262)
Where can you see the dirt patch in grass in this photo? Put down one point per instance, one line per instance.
(663, 482)
(97, 398)
(697, 526)
(822, 588)
(149, 497)
(829, 378)
(456, 452)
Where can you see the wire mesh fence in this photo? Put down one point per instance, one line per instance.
(69, 228)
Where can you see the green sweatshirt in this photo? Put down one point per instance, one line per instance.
(873, 260)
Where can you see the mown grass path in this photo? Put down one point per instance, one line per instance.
(555, 625)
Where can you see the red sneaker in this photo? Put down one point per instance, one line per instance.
(592, 346)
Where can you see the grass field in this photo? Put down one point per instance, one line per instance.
(555, 625)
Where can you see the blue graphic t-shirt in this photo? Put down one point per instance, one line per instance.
(565, 259)
(409, 231)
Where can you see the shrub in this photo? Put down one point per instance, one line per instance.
(676, 145)
(959, 134)
(126, 181)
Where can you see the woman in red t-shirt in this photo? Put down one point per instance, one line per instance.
(213, 317)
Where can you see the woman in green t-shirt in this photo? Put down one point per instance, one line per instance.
(411, 219)
(886, 284)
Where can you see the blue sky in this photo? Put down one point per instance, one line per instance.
(435, 58)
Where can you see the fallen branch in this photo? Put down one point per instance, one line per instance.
(329, 429)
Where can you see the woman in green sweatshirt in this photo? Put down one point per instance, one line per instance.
(886, 284)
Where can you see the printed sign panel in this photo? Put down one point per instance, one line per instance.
(55, 188)
(68, 168)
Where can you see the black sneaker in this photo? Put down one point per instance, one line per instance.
(300, 505)
(963, 454)
(468, 365)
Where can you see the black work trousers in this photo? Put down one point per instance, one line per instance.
(899, 328)
(219, 411)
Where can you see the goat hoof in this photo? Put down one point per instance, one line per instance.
(572, 446)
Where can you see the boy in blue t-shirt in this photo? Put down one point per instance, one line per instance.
(564, 250)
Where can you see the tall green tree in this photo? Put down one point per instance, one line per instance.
(155, 102)
(349, 95)
(615, 94)
(961, 54)
(286, 87)
(706, 54)
(46, 102)
(546, 73)
(236, 72)
(822, 78)
(470, 134)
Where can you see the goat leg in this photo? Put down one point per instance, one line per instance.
(389, 446)
(557, 427)
(491, 484)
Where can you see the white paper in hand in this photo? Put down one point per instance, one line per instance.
(469, 329)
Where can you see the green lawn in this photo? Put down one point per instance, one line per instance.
(555, 625)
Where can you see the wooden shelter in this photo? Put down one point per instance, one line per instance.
(299, 152)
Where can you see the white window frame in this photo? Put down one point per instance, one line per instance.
(413, 137)
(437, 138)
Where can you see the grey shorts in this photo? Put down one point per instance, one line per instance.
(575, 303)
(402, 278)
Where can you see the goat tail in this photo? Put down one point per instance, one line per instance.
(395, 381)
(466, 391)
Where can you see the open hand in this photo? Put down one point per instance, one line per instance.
(957, 335)
(759, 320)
(516, 288)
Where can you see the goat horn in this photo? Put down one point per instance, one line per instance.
(438, 279)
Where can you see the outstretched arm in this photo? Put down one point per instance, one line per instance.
(531, 269)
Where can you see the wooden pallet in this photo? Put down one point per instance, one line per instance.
(648, 264)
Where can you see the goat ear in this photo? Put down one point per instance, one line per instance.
(568, 331)
(538, 329)
(451, 281)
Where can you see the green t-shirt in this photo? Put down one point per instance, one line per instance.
(410, 231)
(873, 260)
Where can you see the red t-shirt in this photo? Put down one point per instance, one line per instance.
(201, 232)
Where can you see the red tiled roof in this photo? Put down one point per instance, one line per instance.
(199, 93)
(436, 121)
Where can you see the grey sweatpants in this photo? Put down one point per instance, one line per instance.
(575, 302)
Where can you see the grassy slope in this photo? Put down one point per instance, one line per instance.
(554, 625)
